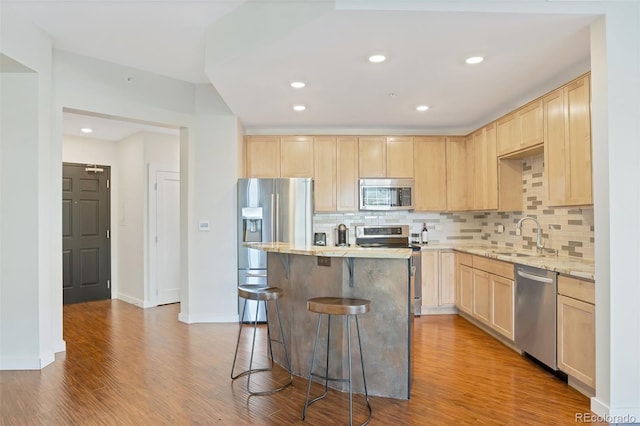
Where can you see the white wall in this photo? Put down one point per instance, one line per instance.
(616, 137)
(212, 197)
(130, 220)
(31, 328)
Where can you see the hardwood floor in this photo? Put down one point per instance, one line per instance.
(129, 366)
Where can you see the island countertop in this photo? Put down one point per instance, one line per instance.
(333, 251)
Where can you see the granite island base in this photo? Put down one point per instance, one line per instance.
(386, 331)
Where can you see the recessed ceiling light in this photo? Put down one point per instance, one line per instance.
(474, 60)
(377, 58)
(422, 108)
(298, 84)
(299, 107)
(86, 130)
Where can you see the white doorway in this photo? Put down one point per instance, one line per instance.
(164, 234)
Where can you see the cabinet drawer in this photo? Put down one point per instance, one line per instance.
(577, 289)
(496, 267)
(465, 259)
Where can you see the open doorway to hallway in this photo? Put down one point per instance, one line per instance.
(144, 159)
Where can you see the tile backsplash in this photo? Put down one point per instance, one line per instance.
(568, 230)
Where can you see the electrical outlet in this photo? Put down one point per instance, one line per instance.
(324, 261)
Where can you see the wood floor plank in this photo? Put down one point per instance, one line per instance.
(128, 366)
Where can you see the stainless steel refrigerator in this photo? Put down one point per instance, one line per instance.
(270, 210)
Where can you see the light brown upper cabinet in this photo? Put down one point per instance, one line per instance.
(276, 156)
(372, 156)
(381, 157)
(262, 156)
(430, 173)
(460, 176)
(296, 156)
(486, 168)
(325, 161)
(400, 157)
(567, 147)
(520, 130)
(347, 173)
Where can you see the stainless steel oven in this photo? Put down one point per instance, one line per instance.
(395, 236)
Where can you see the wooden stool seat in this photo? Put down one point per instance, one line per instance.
(254, 292)
(338, 305)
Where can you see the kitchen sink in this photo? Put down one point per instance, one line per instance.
(512, 253)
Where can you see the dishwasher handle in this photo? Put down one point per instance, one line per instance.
(537, 278)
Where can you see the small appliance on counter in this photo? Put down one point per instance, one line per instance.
(342, 235)
(320, 239)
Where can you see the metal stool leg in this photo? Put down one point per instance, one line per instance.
(364, 377)
(235, 356)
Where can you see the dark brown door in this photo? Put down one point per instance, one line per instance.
(86, 258)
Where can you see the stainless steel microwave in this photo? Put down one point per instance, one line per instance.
(386, 194)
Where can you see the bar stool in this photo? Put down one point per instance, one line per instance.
(337, 306)
(261, 294)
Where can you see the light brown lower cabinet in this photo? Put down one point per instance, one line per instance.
(485, 290)
(576, 329)
(502, 305)
(438, 271)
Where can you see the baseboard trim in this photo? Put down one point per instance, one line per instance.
(583, 388)
(438, 310)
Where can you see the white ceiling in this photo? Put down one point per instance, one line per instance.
(107, 128)
(526, 54)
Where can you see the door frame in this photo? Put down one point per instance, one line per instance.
(152, 215)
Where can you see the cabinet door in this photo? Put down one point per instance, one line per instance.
(555, 160)
(503, 305)
(262, 156)
(486, 168)
(567, 146)
(372, 156)
(430, 173)
(481, 296)
(400, 157)
(508, 137)
(465, 287)
(347, 173)
(578, 127)
(324, 175)
(296, 156)
(457, 173)
(576, 339)
(531, 128)
(447, 278)
(480, 169)
(430, 278)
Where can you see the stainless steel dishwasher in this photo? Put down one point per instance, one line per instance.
(535, 325)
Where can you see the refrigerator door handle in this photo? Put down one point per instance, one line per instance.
(277, 217)
(249, 274)
(272, 216)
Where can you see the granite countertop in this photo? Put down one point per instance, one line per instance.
(332, 251)
(571, 266)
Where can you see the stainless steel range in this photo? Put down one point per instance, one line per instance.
(395, 236)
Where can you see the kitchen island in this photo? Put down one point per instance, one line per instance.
(380, 275)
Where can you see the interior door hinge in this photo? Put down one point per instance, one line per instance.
(107, 183)
(108, 283)
(155, 186)
(108, 234)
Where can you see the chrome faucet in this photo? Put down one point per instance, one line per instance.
(540, 241)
